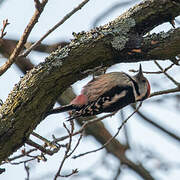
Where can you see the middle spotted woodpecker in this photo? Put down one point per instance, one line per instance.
(108, 93)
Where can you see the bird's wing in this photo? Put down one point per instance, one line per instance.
(104, 83)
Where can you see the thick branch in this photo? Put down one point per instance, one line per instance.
(162, 45)
(37, 91)
(98, 130)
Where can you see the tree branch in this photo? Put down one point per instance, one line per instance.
(36, 93)
(53, 28)
(23, 38)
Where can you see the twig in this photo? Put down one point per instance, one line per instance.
(168, 91)
(125, 128)
(27, 154)
(19, 156)
(70, 132)
(153, 72)
(23, 39)
(146, 72)
(66, 17)
(24, 154)
(47, 142)
(169, 67)
(74, 171)
(89, 122)
(117, 174)
(167, 75)
(5, 24)
(41, 148)
(27, 171)
(20, 162)
(102, 147)
(77, 144)
(67, 152)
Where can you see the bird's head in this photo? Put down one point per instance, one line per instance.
(143, 89)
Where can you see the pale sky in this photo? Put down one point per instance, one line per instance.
(18, 13)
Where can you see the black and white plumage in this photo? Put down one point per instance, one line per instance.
(108, 93)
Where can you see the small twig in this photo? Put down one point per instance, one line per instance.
(166, 74)
(19, 156)
(169, 67)
(41, 148)
(25, 154)
(47, 142)
(66, 17)
(146, 72)
(102, 147)
(168, 91)
(67, 152)
(153, 72)
(74, 171)
(38, 157)
(117, 174)
(125, 128)
(27, 170)
(23, 39)
(89, 122)
(77, 144)
(5, 24)
(70, 132)
(20, 162)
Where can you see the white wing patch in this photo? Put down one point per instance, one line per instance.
(114, 99)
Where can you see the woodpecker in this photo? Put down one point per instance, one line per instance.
(107, 93)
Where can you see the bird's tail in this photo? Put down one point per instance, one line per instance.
(61, 109)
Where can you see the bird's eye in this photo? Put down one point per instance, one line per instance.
(143, 80)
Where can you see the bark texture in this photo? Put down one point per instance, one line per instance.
(112, 43)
